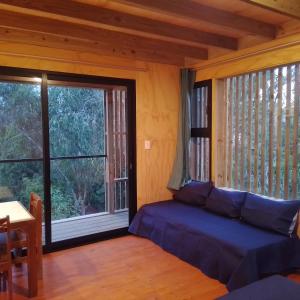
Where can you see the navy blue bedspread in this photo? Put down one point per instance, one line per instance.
(226, 249)
(272, 288)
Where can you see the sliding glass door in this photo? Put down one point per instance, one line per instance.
(80, 166)
(21, 142)
(68, 138)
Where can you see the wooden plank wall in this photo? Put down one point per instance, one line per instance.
(157, 97)
(270, 54)
(157, 88)
(157, 117)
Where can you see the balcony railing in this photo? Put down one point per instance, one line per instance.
(89, 224)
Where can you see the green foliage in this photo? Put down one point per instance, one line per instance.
(31, 184)
(22, 178)
(62, 204)
(76, 121)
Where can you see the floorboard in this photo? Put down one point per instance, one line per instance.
(127, 268)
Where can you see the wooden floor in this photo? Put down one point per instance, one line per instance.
(127, 268)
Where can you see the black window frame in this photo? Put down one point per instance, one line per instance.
(205, 132)
(20, 75)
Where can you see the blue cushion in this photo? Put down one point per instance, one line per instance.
(195, 192)
(224, 202)
(279, 216)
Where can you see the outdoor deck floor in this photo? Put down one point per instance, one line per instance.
(90, 224)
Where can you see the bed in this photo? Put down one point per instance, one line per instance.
(272, 288)
(229, 250)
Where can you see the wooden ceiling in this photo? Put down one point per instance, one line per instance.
(172, 32)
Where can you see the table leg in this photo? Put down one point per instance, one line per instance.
(32, 261)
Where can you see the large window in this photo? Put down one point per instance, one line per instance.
(200, 144)
(21, 140)
(77, 150)
(66, 137)
(262, 132)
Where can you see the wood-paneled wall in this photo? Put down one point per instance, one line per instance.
(277, 52)
(157, 98)
(157, 95)
(157, 117)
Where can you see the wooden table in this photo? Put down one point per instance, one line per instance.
(20, 218)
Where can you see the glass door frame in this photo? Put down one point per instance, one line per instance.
(83, 80)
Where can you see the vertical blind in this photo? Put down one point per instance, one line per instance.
(120, 148)
(262, 144)
(200, 132)
(117, 149)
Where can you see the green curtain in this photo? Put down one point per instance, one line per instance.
(180, 172)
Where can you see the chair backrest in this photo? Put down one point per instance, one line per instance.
(4, 224)
(36, 210)
(5, 229)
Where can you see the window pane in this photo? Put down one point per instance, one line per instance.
(18, 179)
(199, 159)
(76, 117)
(78, 196)
(78, 187)
(88, 195)
(20, 125)
(120, 194)
(81, 119)
(199, 110)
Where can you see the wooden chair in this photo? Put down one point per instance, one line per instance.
(19, 241)
(5, 255)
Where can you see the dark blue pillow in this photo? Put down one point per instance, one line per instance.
(225, 202)
(279, 216)
(195, 192)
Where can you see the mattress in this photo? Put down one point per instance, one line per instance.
(229, 250)
(272, 288)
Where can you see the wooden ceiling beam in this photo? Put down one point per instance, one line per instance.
(85, 46)
(98, 35)
(289, 8)
(119, 20)
(193, 10)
